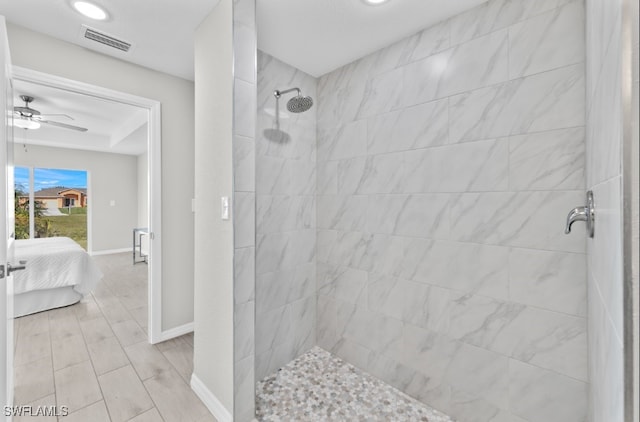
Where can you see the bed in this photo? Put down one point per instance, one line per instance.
(59, 273)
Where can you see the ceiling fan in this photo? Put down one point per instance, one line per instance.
(29, 118)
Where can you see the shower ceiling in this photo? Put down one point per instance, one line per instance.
(320, 36)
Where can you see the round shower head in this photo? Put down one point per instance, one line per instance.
(299, 104)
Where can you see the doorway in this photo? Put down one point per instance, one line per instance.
(150, 110)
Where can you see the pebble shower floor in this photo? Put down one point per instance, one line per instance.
(318, 386)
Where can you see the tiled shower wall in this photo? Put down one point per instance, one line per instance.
(446, 166)
(605, 177)
(243, 208)
(285, 219)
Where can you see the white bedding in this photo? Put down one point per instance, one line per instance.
(54, 262)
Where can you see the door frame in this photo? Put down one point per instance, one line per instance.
(154, 199)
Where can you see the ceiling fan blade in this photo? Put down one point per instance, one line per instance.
(56, 115)
(64, 125)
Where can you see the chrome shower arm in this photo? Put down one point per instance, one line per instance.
(278, 93)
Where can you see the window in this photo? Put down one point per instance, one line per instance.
(46, 206)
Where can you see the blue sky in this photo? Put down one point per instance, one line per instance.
(48, 178)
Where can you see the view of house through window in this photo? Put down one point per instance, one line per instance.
(59, 207)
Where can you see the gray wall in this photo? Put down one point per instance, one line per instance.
(110, 226)
(213, 260)
(45, 54)
(605, 131)
(447, 164)
(285, 220)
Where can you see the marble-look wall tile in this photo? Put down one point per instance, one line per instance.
(342, 212)
(285, 163)
(382, 173)
(547, 339)
(244, 329)
(245, 223)
(551, 160)
(347, 141)
(244, 164)
(448, 73)
(243, 207)
(551, 40)
(422, 215)
(244, 264)
(605, 254)
(422, 126)
(327, 311)
(244, 384)
(465, 267)
(524, 219)
(605, 121)
(549, 280)
(605, 95)
(344, 283)
(538, 395)
(446, 164)
(497, 14)
(244, 51)
(606, 362)
(481, 373)
(545, 101)
(244, 123)
(469, 408)
(469, 167)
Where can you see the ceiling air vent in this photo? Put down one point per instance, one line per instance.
(108, 40)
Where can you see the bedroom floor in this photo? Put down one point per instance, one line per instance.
(94, 357)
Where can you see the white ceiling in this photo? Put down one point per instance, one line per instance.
(320, 36)
(316, 36)
(161, 31)
(112, 126)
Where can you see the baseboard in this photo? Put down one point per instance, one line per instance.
(110, 251)
(176, 332)
(210, 400)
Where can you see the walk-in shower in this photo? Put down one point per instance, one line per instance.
(395, 249)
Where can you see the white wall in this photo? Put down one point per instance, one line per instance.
(143, 189)
(213, 261)
(45, 54)
(111, 226)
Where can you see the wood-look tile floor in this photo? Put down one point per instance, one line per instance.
(94, 357)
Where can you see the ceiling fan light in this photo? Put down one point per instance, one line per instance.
(26, 124)
(90, 10)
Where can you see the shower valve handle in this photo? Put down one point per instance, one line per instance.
(586, 214)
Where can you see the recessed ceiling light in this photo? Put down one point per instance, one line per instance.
(90, 10)
(374, 2)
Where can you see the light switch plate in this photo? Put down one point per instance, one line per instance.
(224, 207)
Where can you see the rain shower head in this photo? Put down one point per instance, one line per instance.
(297, 104)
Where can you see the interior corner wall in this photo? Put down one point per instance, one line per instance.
(213, 259)
(110, 225)
(42, 53)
